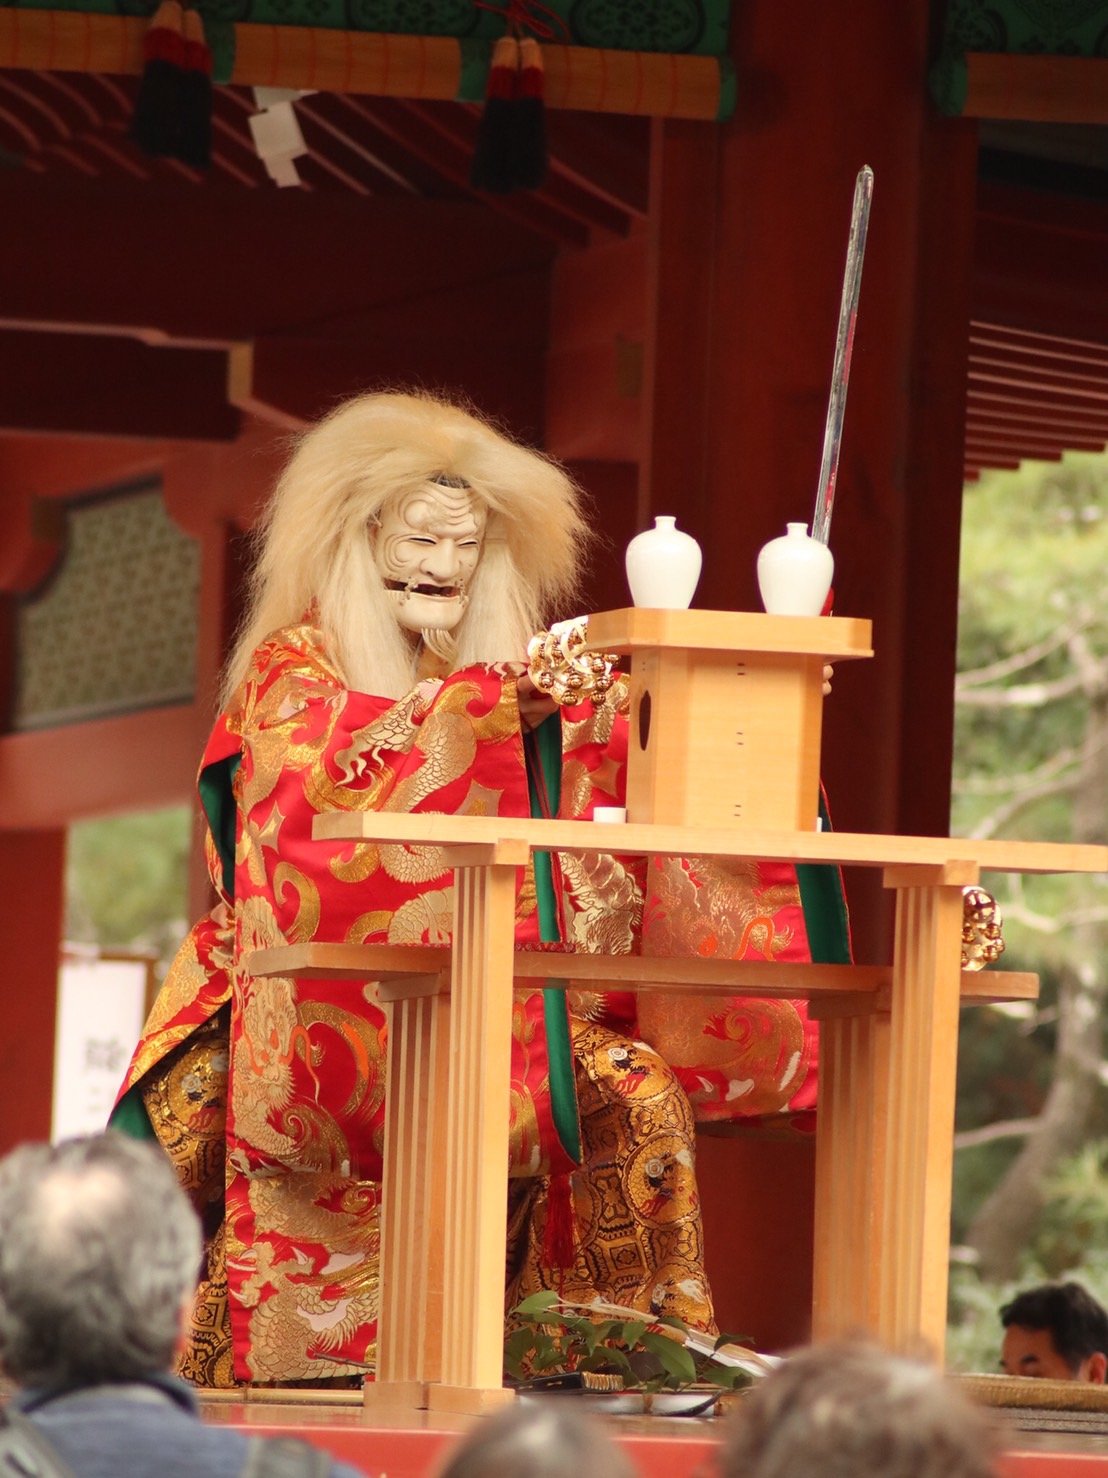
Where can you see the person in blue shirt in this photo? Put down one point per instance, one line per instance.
(99, 1255)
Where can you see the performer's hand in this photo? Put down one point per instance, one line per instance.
(828, 674)
(534, 706)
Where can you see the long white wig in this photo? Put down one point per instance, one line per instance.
(315, 538)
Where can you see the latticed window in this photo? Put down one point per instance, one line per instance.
(113, 629)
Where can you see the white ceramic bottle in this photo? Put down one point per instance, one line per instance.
(663, 566)
(794, 573)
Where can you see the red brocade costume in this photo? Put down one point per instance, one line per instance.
(269, 1093)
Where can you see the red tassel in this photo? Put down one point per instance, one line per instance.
(529, 151)
(493, 164)
(559, 1238)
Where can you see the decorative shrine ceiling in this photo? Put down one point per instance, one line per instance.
(696, 27)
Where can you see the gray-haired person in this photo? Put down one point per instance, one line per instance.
(99, 1252)
(853, 1410)
(537, 1439)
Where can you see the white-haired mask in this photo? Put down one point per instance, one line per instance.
(426, 547)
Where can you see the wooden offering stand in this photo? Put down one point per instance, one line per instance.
(726, 712)
(723, 763)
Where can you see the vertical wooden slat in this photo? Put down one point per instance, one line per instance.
(410, 1319)
(853, 1087)
(915, 1202)
(476, 1154)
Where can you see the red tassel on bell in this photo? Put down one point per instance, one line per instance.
(493, 166)
(559, 1240)
(158, 104)
(529, 119)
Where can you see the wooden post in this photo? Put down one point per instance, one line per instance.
(849, 1142)
(917, 1162)
(409, 1342)
(475, 1169)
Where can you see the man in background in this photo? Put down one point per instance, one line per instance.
(99, 1253)
(1057, 1331)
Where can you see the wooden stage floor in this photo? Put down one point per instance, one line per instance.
(659, 1447)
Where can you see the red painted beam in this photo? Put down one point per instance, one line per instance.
(1039, 88)
(1062, 358)
(256, 261)
(1029, 451)
(294, 380)
(488, 343)
(1091, 417)
(1023, 369)
(1039, 263)
(153, 763)
(985, 432)
(113, 386)
(997, 409)
(1092, 392)
(1051, 344)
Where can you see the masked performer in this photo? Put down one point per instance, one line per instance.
(408, 554)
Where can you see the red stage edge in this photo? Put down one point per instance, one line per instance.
(659, 1447)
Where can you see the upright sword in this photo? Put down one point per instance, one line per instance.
(844, 348)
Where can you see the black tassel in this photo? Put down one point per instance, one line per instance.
(158, 104)
(493, 166)
(529, 150)
(194, 137)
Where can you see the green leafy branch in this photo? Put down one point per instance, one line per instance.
(548, 1337)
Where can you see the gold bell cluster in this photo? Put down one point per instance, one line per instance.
(560, 665)
(982, 929)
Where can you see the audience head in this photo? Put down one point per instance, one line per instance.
(1056, 1331)
(99, 1251)
(851, 1410)
(537, 1439)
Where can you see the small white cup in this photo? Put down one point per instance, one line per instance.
(609, 813)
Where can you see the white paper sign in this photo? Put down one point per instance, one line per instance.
(101, 1005)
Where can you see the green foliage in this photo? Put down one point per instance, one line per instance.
(127, 881)
(1076, 1215)
(547, 1337)
(1034, 549)
(1031, 762)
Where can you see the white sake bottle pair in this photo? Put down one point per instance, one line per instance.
(794, 571)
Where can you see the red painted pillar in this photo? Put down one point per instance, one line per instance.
(747, 236)
(748, 230)
(32, 883)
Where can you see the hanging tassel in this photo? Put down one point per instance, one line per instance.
(157, 106)
(194, 136)
(529, 119)
(493, 162)
(559, 1240)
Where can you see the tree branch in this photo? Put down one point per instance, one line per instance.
(1016, 911)
(1005, 1129)
(998, 785)
(995, 672)
(1028, 695)
(989, 826)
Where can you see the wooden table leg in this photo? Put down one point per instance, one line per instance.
(475, 1169)
(853, 1068)
(409, 1325)
(913, 1240)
